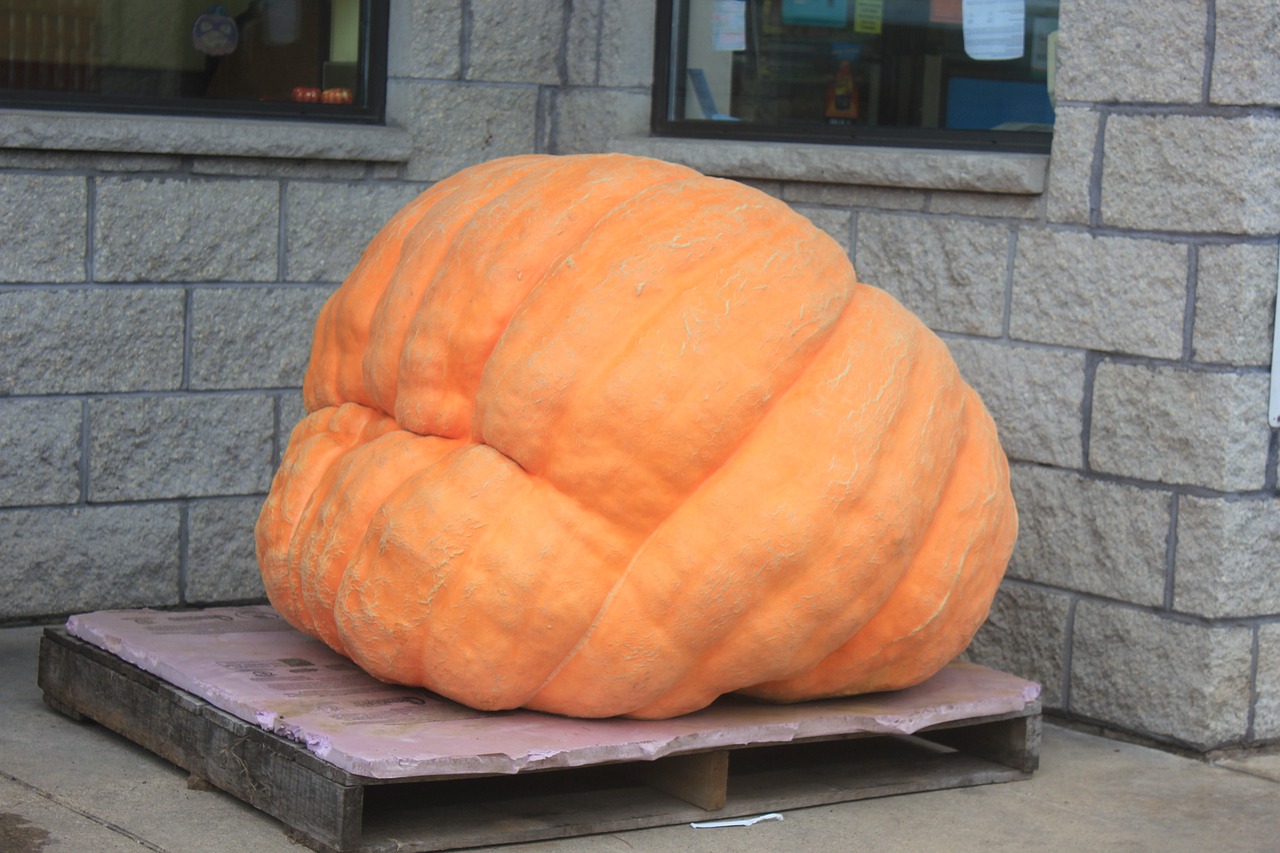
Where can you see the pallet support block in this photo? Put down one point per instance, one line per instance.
(523, 776)
(701, 779)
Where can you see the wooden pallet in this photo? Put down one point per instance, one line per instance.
(332, 810)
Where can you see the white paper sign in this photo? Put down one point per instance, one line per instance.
(994, 29)
(729, 25)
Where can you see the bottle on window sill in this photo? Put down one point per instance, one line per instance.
(842, 96)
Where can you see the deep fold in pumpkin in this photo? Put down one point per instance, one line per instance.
(598, 435)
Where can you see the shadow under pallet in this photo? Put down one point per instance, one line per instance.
(347, 763)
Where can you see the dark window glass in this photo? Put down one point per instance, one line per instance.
(930, 73)
(308, 58)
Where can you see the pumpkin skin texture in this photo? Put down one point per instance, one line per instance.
(597, 435)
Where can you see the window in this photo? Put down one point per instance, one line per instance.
(314, 59)
(919, 73)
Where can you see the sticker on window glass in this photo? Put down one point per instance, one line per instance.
(1041, 28)
(868, 16)
(815, 13)
(214, 32)
(994, 29)
(729, 25)
(945, 12)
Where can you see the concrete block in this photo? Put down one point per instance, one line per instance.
(837, 223)
(1131, 50)
(1116, 294)
(221, 562)
(1227, 559)
(951, 273)
(90, 341)
(769, 188)
(582, 44)
(1235, 304)
(164, 229)
(587, 119)
(291, 411)
(1075, 139)
(43, 222)
(1035, 394)
(1025, 635)
(1174, 425)
(1097, 537)
(41, 459)
(455, 125)
(277, 168)
(86, 161)
(144, 448)
(424, 39)
(855, 197)
(515, 48)
(386, 171)
(987, 205)
(328, 225)
(1266, 712)
(1246, 53)
(626, 43)
(1192, 173)
(252, 337)
(63, 560)
(217, 136)
(1161, 676)
(919, 168)
(610, 43)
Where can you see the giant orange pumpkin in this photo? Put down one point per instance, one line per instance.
(598, 435)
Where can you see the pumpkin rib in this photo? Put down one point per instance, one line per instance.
(430, 622)
(711, 660)
(409, 284)
(709, 475)
(951, 626)
(359, 482)
(546, 422)
(323, 435)
(871, 306)
(477, 245)
(356, 625)
(826, 676)
(1001, 531)
(349, 314)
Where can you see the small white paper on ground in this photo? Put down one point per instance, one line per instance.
(735, 821)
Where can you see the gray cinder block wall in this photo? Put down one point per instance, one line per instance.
(159, 278)
(1131, 378)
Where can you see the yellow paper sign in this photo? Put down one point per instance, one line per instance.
(867, 16)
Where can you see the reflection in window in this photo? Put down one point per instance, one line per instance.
(319, 58)
(892, 72)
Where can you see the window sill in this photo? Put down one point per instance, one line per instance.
(964, 171)
(138, 134)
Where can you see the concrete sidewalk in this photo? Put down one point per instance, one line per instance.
(67, 786)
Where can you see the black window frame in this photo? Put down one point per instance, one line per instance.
(665, 95)
(374, 38)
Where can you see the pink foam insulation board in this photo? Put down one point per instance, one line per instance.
(250, 663)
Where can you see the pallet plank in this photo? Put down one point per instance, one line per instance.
(212, 745)
(1014, 743)
(503, 811)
